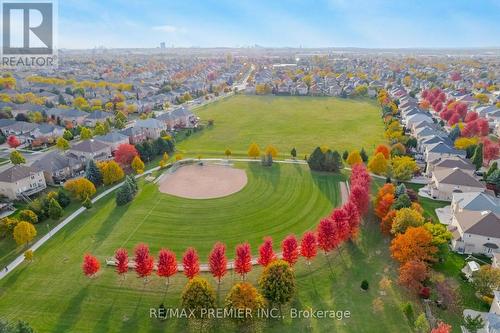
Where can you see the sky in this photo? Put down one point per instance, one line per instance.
(279, 23)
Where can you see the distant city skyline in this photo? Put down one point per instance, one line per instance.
(287, 23)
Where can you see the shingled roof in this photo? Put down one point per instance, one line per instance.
(16, 173)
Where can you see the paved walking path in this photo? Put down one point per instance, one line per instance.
(204, 267)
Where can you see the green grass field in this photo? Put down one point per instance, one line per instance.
(286, 122)
(53, 295)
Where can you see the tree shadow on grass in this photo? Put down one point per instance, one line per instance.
(324, 184)
(70, 315)
(270, 175)
(108, 225)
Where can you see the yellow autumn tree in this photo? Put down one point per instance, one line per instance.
(404, 167)
(24, 232)
(138, 165)
(378, 164)
(271, 150)
(464, 143)
(81, 188)
(111, 172)
(254, 150)
(354, 157)
(164, 160)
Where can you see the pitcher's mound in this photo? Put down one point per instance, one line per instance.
(203, 181)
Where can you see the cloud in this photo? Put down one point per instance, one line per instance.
(168, 28)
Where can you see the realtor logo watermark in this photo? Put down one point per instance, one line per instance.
(29, 33)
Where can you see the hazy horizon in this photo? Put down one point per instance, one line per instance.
(377, 24)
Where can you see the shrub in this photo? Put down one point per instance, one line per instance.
(28, 216)
(365, 285)
(87, 203)
(63, 199)
(407, 309)
(425, 292)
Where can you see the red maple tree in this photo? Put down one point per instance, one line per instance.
(144, 261)
(90, 265)
(354, 218)
(341, 221)
(13, 141)
(121, 259)
(290, 249)
(471, 116)
(217, 261)
(490, 150)
(442, 328)
(360, 197)
(326, 235)
(167, 264)
(266, 252)
(243, 260)
(308, 246)
(125, 153)
(191, 263)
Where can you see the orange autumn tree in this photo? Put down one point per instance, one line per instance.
(387, 221)
(412, 274)
(384, 149)
(414, 244)
(386, 189)
(384, 205)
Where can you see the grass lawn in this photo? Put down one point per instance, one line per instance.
(286, 122)
(53, 295)
(9, 250)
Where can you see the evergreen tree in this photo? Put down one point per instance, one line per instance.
(125, 193)
(477, 158)
(400, 190)
(316, 160)
(293, 153)
(55, 210)
(93, 173)
(403, 201)
(469, 151)
(363, 154)
(63, 199)
(454, 133)
(345, 155)
(493, 167)
(332, 162)
(494, 179)
(132, 183)
(474, 324)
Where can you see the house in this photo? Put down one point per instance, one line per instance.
(151, 127)
(441, 150)
(445, 182)
(496, 264)
(90, 149)
(475, 232)
(135, 135)
(21, 129)
(178, 118)
(21, 181)
(68, 116)
(450, 163)
(98, 116)
(113, 139)
(47, 132)
(476, 201)
(57, 167)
